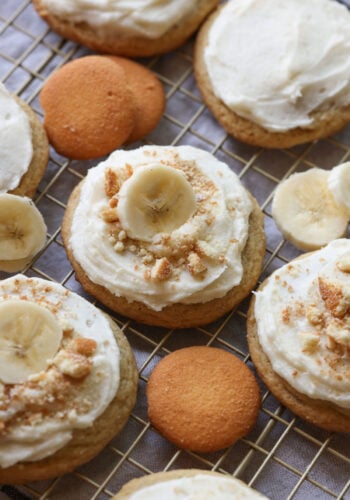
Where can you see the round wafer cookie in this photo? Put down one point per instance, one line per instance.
(89, 109)
(202, 398)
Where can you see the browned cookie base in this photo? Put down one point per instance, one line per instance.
(176, 315)
(31, 179)
(315, 411)
(141, 482)
(86, 443)
(326, 122)
(129, 46)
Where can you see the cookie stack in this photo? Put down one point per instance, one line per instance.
(95, 104)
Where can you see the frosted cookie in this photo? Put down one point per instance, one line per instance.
(22, 161)
(126, 27)
(287, 84)
(312, 208)
(187, 484)
(202, 398)
(67, 380)
(88, 108)
(299, 335)
(165, 235)
(148, 97)
(22, 232)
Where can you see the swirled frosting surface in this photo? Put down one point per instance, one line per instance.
(16, 149)
(303, 323)
(277, 62)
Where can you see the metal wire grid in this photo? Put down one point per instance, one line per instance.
(282, 457)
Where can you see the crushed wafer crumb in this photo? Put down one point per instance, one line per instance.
(113, 202)
(162, 270)
(129, 169)
(72, 364)
(337, 300)
(84, 346)
(195, 264)
(148, 259)
(122, 235)
(310, 342)
(112, 184)
(119, 247)
(314, 316)
(109, 215)
(286, 315)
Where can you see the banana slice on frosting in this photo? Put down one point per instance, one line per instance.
(30, 336)
(155, 199)
(306, 210)
(22, 231)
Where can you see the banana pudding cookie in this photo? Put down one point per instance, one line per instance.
(67, 380)
(165, 235)
(299, 335)
(24, 148)
(187, 484)
(131, 28)
(285, 83)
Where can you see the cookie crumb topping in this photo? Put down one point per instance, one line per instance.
(109, 215)
(112, 184)
(161, 270)
(310, 341)
(315, 316)
(336, 297)
(195, 264)
(72, 364)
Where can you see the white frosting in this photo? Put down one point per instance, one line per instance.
(16, 149)
(275, 62)
(223, 232)
(147, 18)
(43, 436)
(301, 351)
(199, 487)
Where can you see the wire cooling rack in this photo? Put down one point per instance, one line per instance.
(283, 457)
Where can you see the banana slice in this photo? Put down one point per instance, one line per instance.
(155, 199)
(22, 231)
(30, 335)
(306, 212)
(339, 184)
